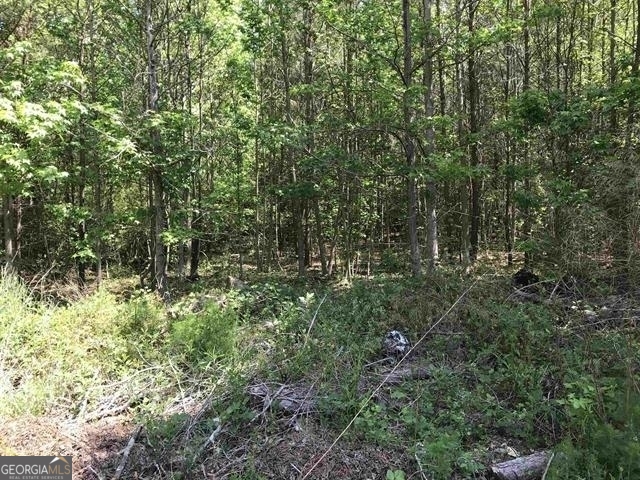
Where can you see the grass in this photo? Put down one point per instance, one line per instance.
(505, 377)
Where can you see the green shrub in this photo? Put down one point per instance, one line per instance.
(438, 454)
(206, 336)
(605, 429)
(60, 357)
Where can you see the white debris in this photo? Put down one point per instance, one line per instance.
(395, 343)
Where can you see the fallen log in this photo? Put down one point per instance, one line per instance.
(530, 467)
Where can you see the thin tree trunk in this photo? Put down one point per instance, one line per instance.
(297, 202)
(196, 182)
(409, 145)
(508, 202)
(613, 69)
(98, 209)
(527, 221)
(196, 188)
(259, 225)
(160, 223)
(473, 147)
(81, 228)
(82, 164)
(8, 208)
(160, 256)
(432, 189)
(310, 118)
(321, 246)
(186, 192)
(182, 246)
(463, 189)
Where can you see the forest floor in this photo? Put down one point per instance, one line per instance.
(286, 379)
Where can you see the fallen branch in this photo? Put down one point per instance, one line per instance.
(95, 472)
(546, 470)
(296, 399)
(100, 414)
(212, 438)
(530, 467)
(408, 372)
(127, 451)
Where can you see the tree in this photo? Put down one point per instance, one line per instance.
(409, 143)
(429, 148)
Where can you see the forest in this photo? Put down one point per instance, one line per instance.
(216, 213)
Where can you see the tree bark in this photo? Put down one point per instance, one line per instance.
(530, 467)
(196, 182)
(474, 95)
(158, 195)
(8, 207)
(409, 144)
(321, 246)
(194, 263)
(509, 187)
(463, 188)
(297, 201)
(82, 228)
(432, 188)
(98, 210)
(526, 73)
(613, 69)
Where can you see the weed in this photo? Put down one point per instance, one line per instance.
(438, 453)
(497, 371)
(207, 336)
(395, 475)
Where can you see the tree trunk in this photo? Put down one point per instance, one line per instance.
(158, 195)
(17, 250)
(527, 221)
(297, 202)
(82, 233)
(98, 210)
(463, 187)
(321, 246)
(182, 246)
(8, 207)
(196, 182)
(310, 118)
(194, 263)
(613, 69)
(160, 225)
(432, 189)
(473, 147)
(409, 145)
(509, 187)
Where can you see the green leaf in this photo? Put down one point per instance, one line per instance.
(395, 475)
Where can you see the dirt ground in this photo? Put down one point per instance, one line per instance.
(97, 449)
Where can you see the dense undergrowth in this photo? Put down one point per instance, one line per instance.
(507, 377)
